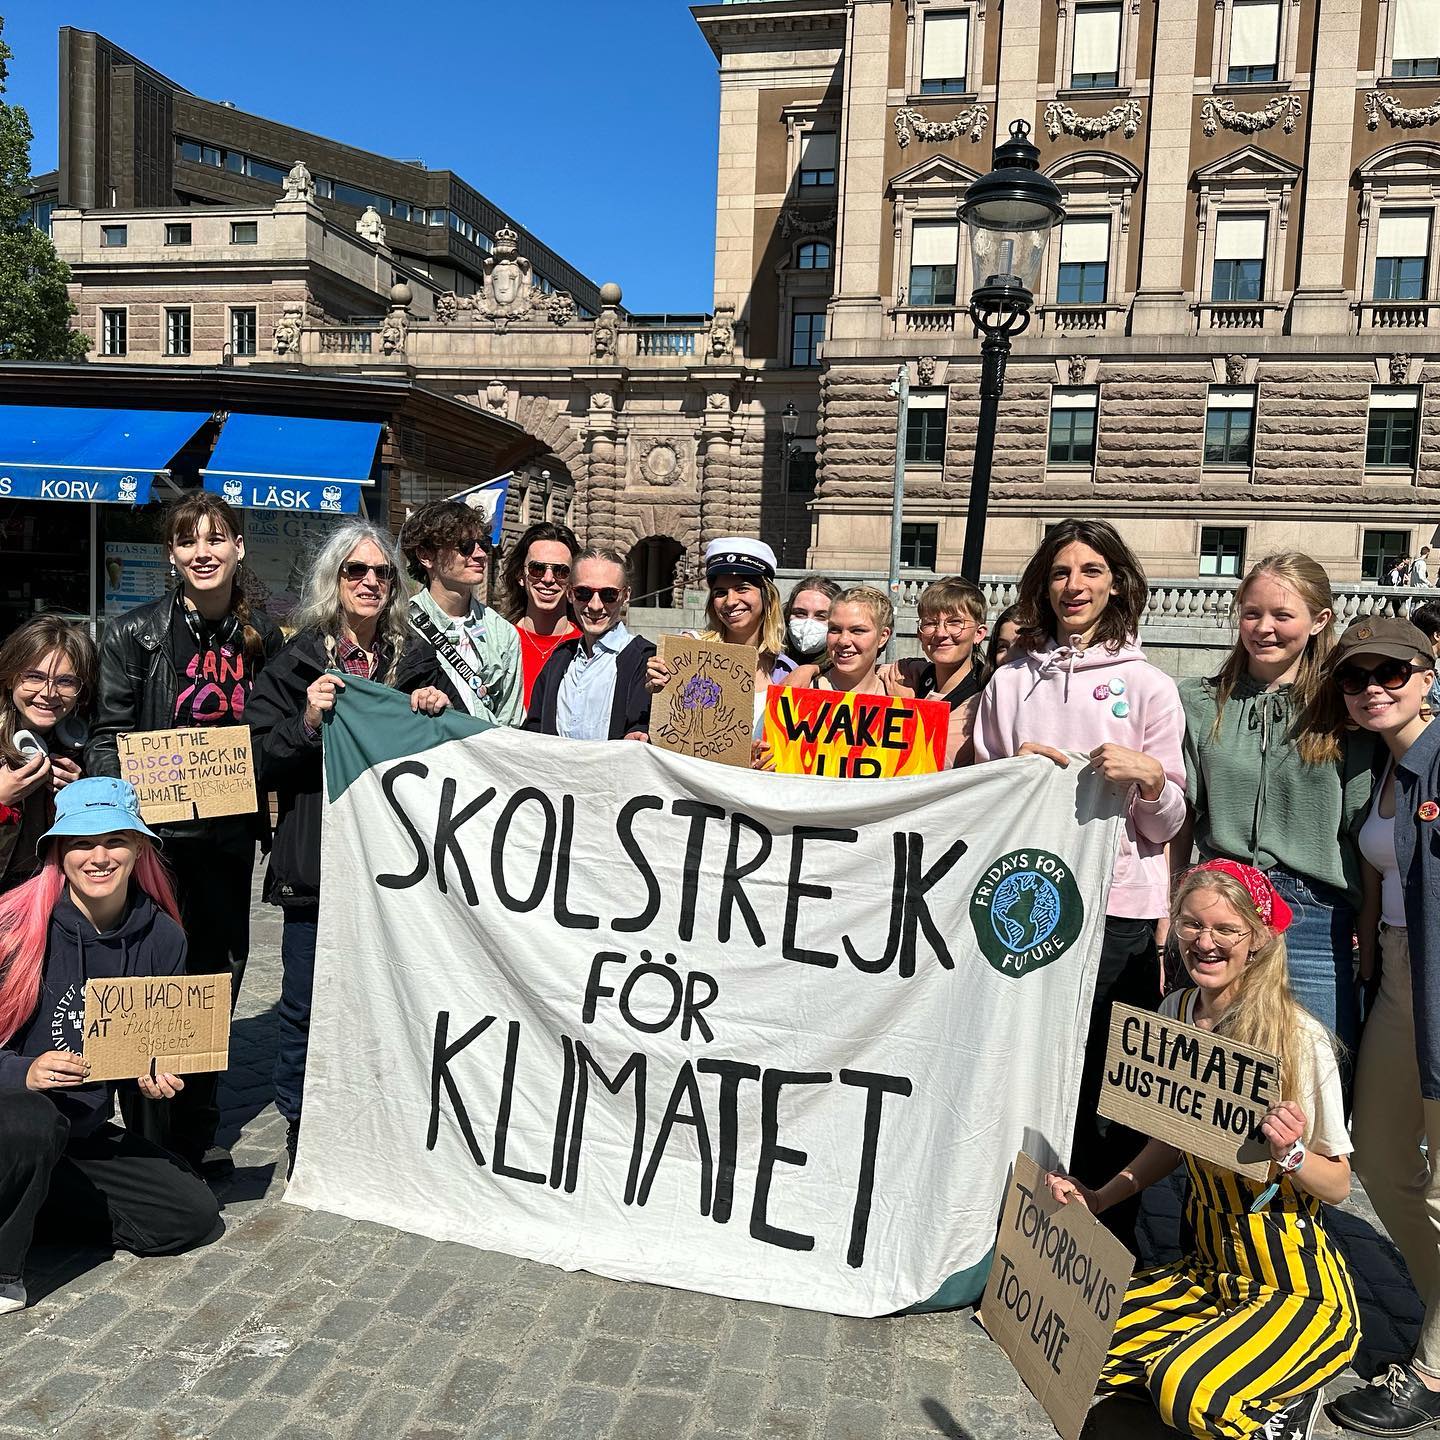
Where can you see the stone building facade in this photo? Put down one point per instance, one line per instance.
(1231, 348)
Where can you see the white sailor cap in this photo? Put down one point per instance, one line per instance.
(739, 555)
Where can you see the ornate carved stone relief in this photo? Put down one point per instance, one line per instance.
(1124, 117)
(1235, 369)
(1076, 369)
(925, 369)
(793, 221)
(299, 184)
(287, 327)
(661, 460)
(722, 332)
(370, 226)
(1380, 102)
(1399, 369)
(970, 121)
(1283, 110)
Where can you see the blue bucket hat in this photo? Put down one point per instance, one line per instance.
(97, 806)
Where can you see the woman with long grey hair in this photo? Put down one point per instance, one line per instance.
(350, 622)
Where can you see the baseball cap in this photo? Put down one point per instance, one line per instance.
(1382, 635)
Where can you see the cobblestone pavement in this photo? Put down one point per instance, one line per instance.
(309, 1326)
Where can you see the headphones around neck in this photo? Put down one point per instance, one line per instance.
(226, 632)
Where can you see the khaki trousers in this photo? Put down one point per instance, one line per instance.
(1390, 1125)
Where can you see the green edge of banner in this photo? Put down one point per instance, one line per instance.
(963, 1289)
(371, 724)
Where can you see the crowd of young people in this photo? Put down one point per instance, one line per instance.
(1304, 776)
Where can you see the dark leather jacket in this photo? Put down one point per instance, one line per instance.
(139, 684)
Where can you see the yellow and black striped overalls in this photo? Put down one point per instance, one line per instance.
(1260, 1311)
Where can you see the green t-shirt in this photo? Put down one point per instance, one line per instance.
(1256, 801)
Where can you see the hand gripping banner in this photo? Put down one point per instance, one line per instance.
(627, 1011)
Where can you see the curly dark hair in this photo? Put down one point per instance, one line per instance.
(436, 526)
(1119, 621)
(510, 601)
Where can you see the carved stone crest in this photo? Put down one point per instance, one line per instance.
(793, 221)
(1399, 369)
(447, 307)
(287, 328)
(393, 329)
(560, 307)
(370, 226)
(722, 331)
(925, 369)
(299, 184)
(1124, 117)
(660, 461)
(1379, 102)
(1217, 111)
(602, 339)
(970, 121)
(1076, 369)
(718, 400)
(1235, 369)
(496, 396)
(602, 400)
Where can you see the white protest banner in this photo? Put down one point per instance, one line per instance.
(616, 1009)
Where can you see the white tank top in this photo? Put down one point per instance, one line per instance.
(1377, 845)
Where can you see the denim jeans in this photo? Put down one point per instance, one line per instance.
(292, 1037)
(1320, 947)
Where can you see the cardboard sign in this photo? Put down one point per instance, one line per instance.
(830, 732)
(190, 774)
(157, 1024)
(1054, 1295)
(1194, 1090)
(708, 709)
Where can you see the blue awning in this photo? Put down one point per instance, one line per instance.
(283, 462)
(101, 456)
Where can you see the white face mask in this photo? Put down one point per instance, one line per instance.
(807, 635)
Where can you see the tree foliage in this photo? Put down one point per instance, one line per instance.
(35, 308)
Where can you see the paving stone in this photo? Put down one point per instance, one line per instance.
(384, 1414)
(675, 1365)
(733, 1400)
(465, 1393)
(750, 1343)
(255, 1420)
(607, 1361)
(648, 1416)
(584, 1414)
(511, 1421)
(800, 1383)
(302, 1368)
(340, 1394)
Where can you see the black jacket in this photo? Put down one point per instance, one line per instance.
(290, 761)
(145, 942)
(139, 685)
(630, 710)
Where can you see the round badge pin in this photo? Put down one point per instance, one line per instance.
(1120, 708)
(1428, 810)
(1116, 687)
(1101, 692)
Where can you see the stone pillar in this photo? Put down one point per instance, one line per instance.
(1019, 64)
(1160, 306)
(599, 498)
(1321, 302)
(856, 309)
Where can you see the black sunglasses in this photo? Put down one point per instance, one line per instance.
(467, 547)
(536, 570)
(355, 571)
(1388, 674)
(608, 594)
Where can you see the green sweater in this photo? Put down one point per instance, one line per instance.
(1256, 801)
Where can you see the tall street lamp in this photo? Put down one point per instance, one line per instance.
(790, 424)
(1009, 214)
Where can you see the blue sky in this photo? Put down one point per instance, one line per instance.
(593, 124)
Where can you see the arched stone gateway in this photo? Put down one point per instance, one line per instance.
(653, 563)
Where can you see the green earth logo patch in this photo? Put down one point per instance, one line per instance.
(1027, 911)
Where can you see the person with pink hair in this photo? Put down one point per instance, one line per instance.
(101, 905)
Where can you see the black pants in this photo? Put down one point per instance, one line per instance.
(107, 1188)
(1130, 975)
(212, 885)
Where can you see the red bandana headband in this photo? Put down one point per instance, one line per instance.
(1268, 900)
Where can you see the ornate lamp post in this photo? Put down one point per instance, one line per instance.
(1009, 214)
(790, 424)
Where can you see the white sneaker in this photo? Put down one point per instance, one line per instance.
(1296, 1421)
(12, 1296)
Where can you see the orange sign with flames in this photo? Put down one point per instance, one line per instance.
(830, 732)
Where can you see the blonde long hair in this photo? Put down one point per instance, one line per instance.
(1265, 1013)
(772, 618)
(1316, 743)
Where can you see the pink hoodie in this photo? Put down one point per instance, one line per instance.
(1076, 700)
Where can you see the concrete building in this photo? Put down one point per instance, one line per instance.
(1231, 350)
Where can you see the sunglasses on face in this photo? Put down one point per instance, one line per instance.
(608, 594)
(468, 547)
(1388, 674)
(538, 569)
(355, 571)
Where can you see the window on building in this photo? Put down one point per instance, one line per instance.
(1391, 429)
(925, 428)
(813, 255)
(1402, 255)
(934, 248)
(800, 474)
(114, 237)
(1254, 42)
(1084, 262)
(817, 159)
(1229, 425)
(944, 51)
(1416, 51)
(1095, 60)
(807, 331)
(244, 329)
(1239, 258)
(1072, 426)
(1381, 551)
(177, 331)
(1222, 550)
(40, 215)
(264, 170)
(114, 332)
(919, 545)
(244, 232)
(177, 234)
